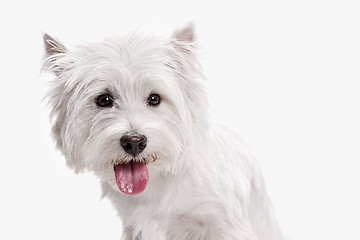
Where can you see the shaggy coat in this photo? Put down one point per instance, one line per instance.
(203, 181)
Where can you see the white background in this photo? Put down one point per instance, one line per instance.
(284, 74)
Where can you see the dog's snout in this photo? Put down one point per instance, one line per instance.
(133, 143)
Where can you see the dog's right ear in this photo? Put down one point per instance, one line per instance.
(52, 46)
(54, 50)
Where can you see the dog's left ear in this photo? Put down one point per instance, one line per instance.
(185, 34)
(185, 38)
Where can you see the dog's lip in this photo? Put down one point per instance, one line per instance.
(146, 160)
(132, 160)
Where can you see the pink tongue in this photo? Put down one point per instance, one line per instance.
(132, 177)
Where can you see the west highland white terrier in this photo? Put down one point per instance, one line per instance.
(134, 111)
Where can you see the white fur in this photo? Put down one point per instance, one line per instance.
(204, 183)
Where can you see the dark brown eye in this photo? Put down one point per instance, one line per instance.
(105, 101)
(154, 100)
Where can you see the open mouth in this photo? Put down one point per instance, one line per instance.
(132, 177)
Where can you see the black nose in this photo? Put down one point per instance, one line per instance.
(133, 143)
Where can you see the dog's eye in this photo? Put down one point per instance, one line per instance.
(104, 100)
(154, 100)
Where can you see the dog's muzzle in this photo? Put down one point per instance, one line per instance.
(132, 177)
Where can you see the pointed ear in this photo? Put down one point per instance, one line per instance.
(52, 46)
(54, 51)
(185, 38)
(185, 34)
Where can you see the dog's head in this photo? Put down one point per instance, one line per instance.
(129, 105)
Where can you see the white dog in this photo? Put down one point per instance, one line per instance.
(133, 110)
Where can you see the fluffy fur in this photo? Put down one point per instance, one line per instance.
(204, 183)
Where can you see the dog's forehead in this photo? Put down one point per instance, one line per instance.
(136, 50)
(138, 56)
(126, 66)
